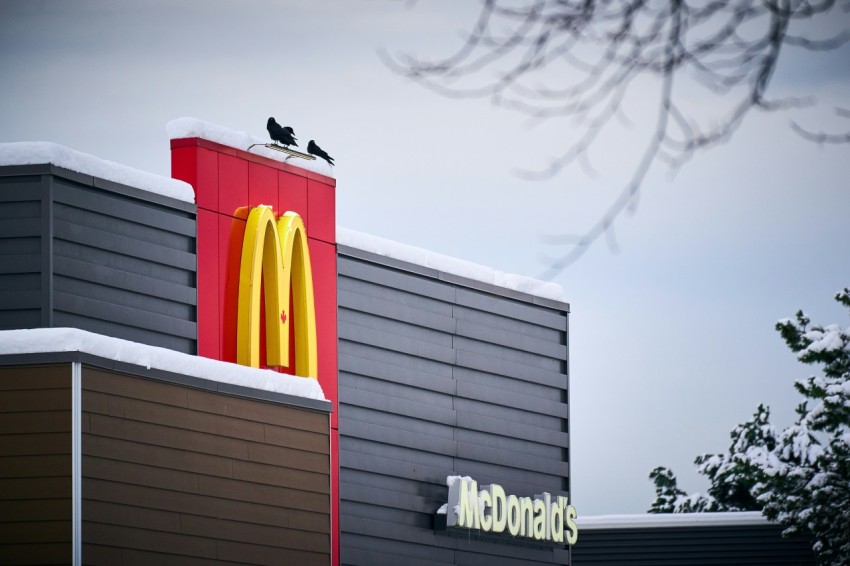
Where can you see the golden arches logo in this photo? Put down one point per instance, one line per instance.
(274, 256)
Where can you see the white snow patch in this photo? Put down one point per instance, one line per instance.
(35, 153)
(188, 127)
(44, 340)
(448, 264)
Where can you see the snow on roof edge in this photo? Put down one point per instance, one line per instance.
(189, 127)
(448, 264)
(47, 340)
(36, 153)
(661, 520)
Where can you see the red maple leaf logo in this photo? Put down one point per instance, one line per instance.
(283, 316)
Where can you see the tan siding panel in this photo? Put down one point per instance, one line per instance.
(35, 377)
(11, 401)
(37, 443)
(169, 471)
(35, 421)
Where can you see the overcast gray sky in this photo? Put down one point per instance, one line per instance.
(672, 338)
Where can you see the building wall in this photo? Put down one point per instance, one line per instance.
(82, 252)
(172, 473)
(704, 545)
(173, 470)
(440, 378)
(35, 465)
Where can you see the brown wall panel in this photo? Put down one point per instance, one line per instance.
(200, 477)
(35, 464)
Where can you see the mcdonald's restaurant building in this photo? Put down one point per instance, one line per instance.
(204, 370)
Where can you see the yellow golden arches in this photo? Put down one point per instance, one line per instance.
(275, 254)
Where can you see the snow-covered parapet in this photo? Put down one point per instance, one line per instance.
(36, 153)
(672, 520)
(46, 340)
(448, 264)
(194, 128)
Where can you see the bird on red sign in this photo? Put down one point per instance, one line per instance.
(283, 134)
(314, 149)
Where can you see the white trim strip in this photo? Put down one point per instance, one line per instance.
(671, 520)
(76, 463)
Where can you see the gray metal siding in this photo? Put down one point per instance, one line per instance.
(20, 251)
(684, 546)
(83, 252)
(437, 378)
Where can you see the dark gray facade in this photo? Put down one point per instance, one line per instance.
(80, 251)
(700, 543)
(440, 375)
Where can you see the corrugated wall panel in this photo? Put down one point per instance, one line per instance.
(437, 379)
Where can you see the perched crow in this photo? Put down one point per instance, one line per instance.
(286, 135)
(314, 149)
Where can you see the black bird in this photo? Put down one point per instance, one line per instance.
(314, 149)
(284, 135)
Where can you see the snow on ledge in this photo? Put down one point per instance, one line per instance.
(447, 264)
(661, 520)
(36, 153)
(44, 340)
(188, 127)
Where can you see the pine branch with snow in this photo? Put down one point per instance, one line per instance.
(800, 476)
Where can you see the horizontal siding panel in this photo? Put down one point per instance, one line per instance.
(514, 480)
(511, 309)
(521, 387)
(385, 498)
(123, 207)
(186, 345)
(519, 446)
(11, 320)
(514, 326)
(390, 467)
(431, 399)
(512, 399)
(399, 374)
(395, 279)
(35, 443)
(50, 487)
(509, 414)
(142, 225)
(20, 246)
(91, 308)
(401, 422)
(119, 279)
(389, 341)
(551, 377)
(19, 282)
(396, 362)
(130, 263)
(397, 437)
(504, 353)
(509, 459)
(399, 453)
(510, 339)
(116, 299)
(501, 427)
(20, 228)
(403, 407)
(16, 210)
(349, 288)
(124, 245)
(23, 299)
(21, 263)
(383, 308)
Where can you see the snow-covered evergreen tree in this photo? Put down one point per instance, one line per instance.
(800, 476)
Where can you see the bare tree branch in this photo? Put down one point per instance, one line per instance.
(579, 59)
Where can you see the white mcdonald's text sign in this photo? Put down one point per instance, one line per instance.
(542, 517)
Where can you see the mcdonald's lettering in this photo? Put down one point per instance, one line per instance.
(275, 257)
(543, 517)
